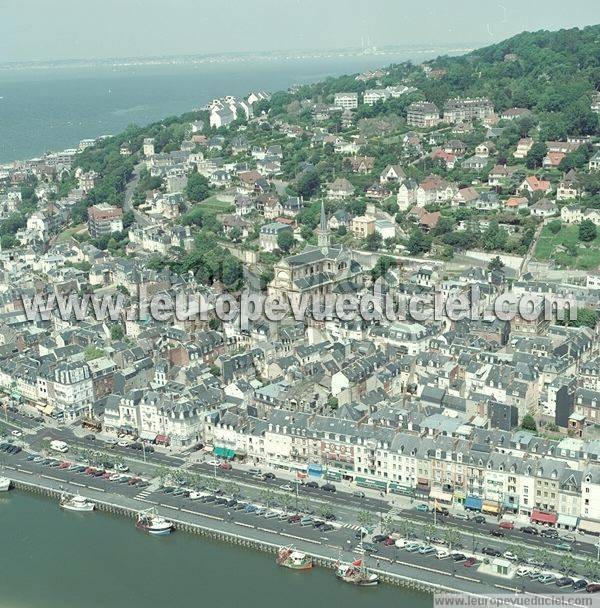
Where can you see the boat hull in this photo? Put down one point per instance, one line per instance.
(154, 531)
(5, 484)
(86, 509)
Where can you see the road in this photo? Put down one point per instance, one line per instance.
(338, 543)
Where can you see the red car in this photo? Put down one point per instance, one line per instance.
(507, 525)
(133, 480)
(225, 466)
(64, 465)
(593, 588)
(90, 471)
(389, 542)
(470, 561)
(294, 519)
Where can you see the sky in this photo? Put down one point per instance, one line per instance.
(44, 30)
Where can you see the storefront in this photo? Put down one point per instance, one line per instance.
(589, 526)
(422, 490)
(543, 517)
(397, 488)
(164, 440)
(567, 522)
(440, 496)
(315, 470)
(222, 452)
(374, 484)
(490, 506)
(510, 503)
(472, 503)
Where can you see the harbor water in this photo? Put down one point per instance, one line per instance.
(55, 558)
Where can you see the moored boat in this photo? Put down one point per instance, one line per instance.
(356, 574)
(77, 503)
(5, 484)
(152, 523)
(288, 557)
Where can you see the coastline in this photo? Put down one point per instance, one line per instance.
(411, 577)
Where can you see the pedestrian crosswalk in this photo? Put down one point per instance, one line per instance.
(145, 493)
(351, 526)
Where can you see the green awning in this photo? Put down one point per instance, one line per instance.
(224, 453)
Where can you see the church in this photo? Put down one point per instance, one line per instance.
(318, 269)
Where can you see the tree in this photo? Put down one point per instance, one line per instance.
(528, 423)
(591, 568)
(555, 226)
(365, 519)
(383, 264)
(116, 332)
(430, 531)
(373, 241)
(567, 563)
(418, 242)
(285, 240)
(536, 155)
(587, 231)
(387, 524)
(197, 188)
(451, 537)
(308, 184)
(495, 264)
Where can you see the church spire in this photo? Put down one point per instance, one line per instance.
(322, 230)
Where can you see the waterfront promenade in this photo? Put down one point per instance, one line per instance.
(262, 535)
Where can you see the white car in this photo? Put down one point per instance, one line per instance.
(123, 443)
(213, 463)
(463, 516)
(110, 441)
(442, 553)
(523, 571)
(16, 433)
(509, 556)
(287, 487)
(401, 543)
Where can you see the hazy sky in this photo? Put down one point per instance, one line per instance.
(80, 29)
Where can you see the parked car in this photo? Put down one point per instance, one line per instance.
(491, 551)
(563, 547)
(579, 584)
(469, 562)
(412, 547)
(370, 548)
(327, 528)
(328, 487)
(564, 581)
(496, 532)
(294, 519)
(528, 530)
(546, 578)
(225, 466)
(463, 516)
(287, 487)
(311, 484)
(422, 507)
(268, 476)
(549, 533)
(379, 538)
(458, 557)
(509, 555)
(506, 525)
(426, 549)
(593, 588)
(479, 519)
(442, 511)
(570, 538)
(523, 571)
(442, 553)
(90, 437)
(358, 494)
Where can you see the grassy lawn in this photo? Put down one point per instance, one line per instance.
(550, 247)
(65, 235)
(219, 206)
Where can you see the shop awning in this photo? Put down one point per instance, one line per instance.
(148, 435)
(439, 495)
(490, 506)
(543, 517)
(569, 521)
(473, 503)
(315, 470)
(223, 452)
(587, 525)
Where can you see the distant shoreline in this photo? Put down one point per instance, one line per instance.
(190, 60)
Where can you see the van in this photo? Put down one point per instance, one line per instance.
(59, 446)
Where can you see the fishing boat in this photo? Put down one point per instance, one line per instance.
(4, 484)
(152, 523)
(76, 503)
(356, 574)
(288, 557)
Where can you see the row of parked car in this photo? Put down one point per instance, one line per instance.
(112, 472)
(563, 582)
(9, 448)
(236, 504)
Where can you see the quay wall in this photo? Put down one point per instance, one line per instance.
(237, 539)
